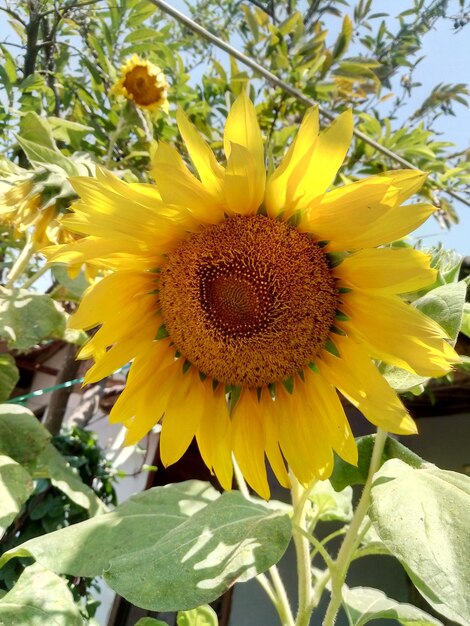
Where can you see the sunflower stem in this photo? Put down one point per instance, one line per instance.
(274, 589)
(353, 535)
(32, 279)
(302, 549)
(21, 263)
(113, 140)
(240, 480)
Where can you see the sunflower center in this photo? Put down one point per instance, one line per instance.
(235, 298)
(142, 86)
(249, 301)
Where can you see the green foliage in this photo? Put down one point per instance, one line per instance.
(201, 616)
(39, 595)
(41, 490)
(15, 488)
(345, 474)
(9, 376)
(196, 545)
(422, 516)
(364, 604)
(27, 318)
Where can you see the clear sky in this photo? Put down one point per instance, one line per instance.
(447, 60)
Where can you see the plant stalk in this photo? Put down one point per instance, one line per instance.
(352, 537)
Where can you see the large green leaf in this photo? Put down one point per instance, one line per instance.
(345, 474)
(67, 479)
(37, 130)
(15, 488)
(40, 155)
(22, 437)
(169, 548)
(28, 318)
(423, 517)
(133, 525)
(39, 598)
(445, 305)
(364, 604)
(201, 616)
(9, 376)
(329, 504)
(230, 540)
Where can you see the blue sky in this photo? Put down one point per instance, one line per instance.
(447, 59)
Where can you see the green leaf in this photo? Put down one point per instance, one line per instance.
(169, 548)
(133, 525)
(70, 132)
(230, 540)
(345, 474)
(22, 437)
(36, 130)
(423, 517)
(9, 376)
(445, 306)
(344, 38)
(364, 604)
(39, 597)
(201, 616)
(28, 318)
(465, 328)
(330, 504)
(32, 82)
(401, 380)
(39, 155)
(74, 286)
(67, 479)
(16, 486)
(150, 621)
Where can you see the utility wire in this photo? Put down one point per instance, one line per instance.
(278, 82)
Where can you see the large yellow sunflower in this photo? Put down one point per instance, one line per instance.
(240, 326)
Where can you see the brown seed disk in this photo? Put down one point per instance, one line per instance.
(143, 86)
(249, 301)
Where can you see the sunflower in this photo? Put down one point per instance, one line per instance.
(144, 83)
(246, 302)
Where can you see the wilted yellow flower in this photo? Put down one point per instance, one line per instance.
(225, 294)
(144, 83)
(21, 210)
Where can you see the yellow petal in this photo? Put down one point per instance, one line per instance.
(406, 182)
(273, 452)
(110, 253)
(303, 145)
(398, 333)
(387, 270)
(312, 180)
(301, 437)
(109, 296)
(178, 186)
(182, 417)
(122, 352)
(210, 171)
(354, 374)
(214, 435)
(248, 441)
(244, 182)
(242, 128)
(146, 396)
(328, 409)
